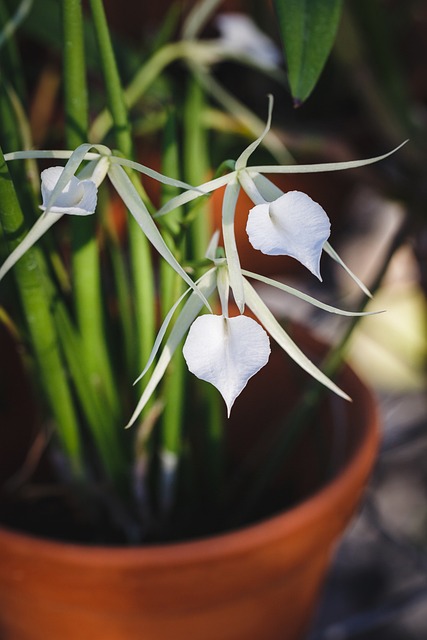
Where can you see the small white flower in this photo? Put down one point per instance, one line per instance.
(292, 225)
(78, 198)
(226, 352)
(240, 35)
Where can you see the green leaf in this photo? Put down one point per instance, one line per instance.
(308, 29)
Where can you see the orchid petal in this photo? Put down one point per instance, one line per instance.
(141, 168)
(165, 324)
(293, 225)
(196, 192)
(305, 297)
(59, 184)
(226, 352)
(277, 332)
(242, 160)
(228, 212)
(130, 197)
(266, 188)
(51, 154)
(333, 254)
(323, 167)
(212, 247)
(37, 230)
(96, 170)
(78, 197)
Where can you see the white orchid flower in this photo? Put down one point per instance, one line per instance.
(239, 35)
(292, 225)
(65, 193)
(281, 229)
(78, 197)
(226, 352)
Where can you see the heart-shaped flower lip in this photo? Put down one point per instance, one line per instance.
(292, 225)
(226, 352)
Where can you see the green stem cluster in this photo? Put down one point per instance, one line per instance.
(37, 302)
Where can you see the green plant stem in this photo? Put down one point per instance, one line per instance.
(75, 89)
(196, 163)
(10, 59)
(142, 80)
(36, 303)
(141, 260)
(116, 104)
(104, 427)
(94, 376)
(196, 167)
(171, 287)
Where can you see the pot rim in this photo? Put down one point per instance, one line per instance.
(319, 505)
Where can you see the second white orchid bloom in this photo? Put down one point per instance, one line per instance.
(226, 352)
(292, 225)
(78, 197)
(240, 35)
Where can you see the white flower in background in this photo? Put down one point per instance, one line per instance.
(292, 225)
(78, 197)
(240, 36)
(226, 352)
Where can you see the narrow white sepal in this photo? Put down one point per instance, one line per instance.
(228, 212)
(212, 247)
(189, 312)
(226, 352)
(78, 197)
(304, 296)
(37, 230)
(293, 225)
(331, 252)
(126, 190)
(242, 160)
(278, 333)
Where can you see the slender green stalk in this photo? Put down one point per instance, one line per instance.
(141, 82)
(171, 287)
(116, 104)
(87, 285)
(36, 304)
(124, 302)
(103, 425)
(10, 60)
(196, 163)
(196, 167)
(75, 89)
(141, 262)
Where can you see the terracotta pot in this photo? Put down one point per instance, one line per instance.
(260, 582)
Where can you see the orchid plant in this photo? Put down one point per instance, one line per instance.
(224, 349)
